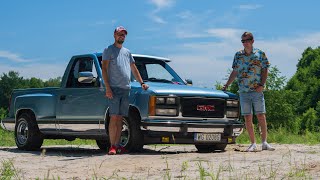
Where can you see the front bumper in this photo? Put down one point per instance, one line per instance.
(183, 132)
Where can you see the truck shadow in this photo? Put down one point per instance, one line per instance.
(84, 152)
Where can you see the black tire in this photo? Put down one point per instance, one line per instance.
(132, 137)
(203, 148)
(220, 147)
(27, 133)
(103, 144)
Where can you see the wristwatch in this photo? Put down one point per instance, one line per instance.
(259, 84)
(142, 83)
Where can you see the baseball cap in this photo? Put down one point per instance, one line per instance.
(119, 29)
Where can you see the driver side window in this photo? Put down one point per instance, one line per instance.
(82, 65)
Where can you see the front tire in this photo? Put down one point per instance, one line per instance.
(131, 136)
(103, 145)
(27, 133)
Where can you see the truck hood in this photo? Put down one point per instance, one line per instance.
(184, 90)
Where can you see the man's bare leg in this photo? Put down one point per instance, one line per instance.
(113, 129)
(119, 129)
(249, 127)
(263, 125)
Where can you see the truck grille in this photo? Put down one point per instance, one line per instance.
(202, 107)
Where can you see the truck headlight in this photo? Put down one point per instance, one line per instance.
(166, 112)
(160, 100)
(171, 100)
(232, 103)
(232, 108)
(163, 106)
(232, 114)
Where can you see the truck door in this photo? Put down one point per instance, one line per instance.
(81, 107)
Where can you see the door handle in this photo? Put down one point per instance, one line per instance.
(63, 97)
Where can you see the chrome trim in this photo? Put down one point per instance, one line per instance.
(8, 124)
(153, 57)
(180, 117)
(178, 129)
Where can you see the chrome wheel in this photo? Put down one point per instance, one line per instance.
(125, 133)
(22, 132)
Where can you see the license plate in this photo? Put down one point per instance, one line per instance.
(204, 137)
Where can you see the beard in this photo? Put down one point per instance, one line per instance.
(120, 41)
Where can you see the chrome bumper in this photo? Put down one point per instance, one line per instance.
(8, 124)
(234, 127)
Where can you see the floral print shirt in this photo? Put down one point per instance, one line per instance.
(249, 69)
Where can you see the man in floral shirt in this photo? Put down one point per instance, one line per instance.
(250, 67)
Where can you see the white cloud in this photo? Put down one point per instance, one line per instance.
(157, 18)
(250, 6)
(160, 4)
(13, 57)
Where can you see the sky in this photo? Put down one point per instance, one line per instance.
(38, 37)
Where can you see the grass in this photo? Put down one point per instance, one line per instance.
(280, 136)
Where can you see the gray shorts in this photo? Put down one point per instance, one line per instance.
(255, 99)
(119, 104)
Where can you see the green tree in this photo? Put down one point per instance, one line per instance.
(53, 82)
(310, 120)
(307, 79)
(8, 82)
(275, 81)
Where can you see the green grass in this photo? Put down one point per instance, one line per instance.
(281, 136)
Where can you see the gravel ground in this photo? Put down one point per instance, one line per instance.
(165, 162)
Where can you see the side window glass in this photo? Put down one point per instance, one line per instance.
(82, 65)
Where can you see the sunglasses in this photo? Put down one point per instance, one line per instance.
(246, 40)
(121, 35)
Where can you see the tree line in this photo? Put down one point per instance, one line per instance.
(293, 104)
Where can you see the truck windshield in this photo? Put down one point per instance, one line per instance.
(154, 70)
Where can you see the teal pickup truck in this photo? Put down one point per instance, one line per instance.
(169, 112)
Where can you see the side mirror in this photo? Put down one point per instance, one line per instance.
(189, 82)
(86, 77)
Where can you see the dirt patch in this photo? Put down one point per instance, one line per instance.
(165, 162)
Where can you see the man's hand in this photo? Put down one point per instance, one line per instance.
(259, 89)
(109, 93)
(144, 86)
(225, 87)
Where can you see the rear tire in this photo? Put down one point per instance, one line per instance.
(27, 133)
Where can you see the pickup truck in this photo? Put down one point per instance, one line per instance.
(171, 111)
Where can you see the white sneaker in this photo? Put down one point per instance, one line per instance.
(252, 148)
(266, 146)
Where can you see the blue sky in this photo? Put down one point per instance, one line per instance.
(37, 37)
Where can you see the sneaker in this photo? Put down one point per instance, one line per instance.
(252, 148)
(266, 146)
(112, 150)
(121, 150)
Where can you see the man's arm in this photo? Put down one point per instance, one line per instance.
(264, 76)
(105, 65)
(232, 77)
(137, 75)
